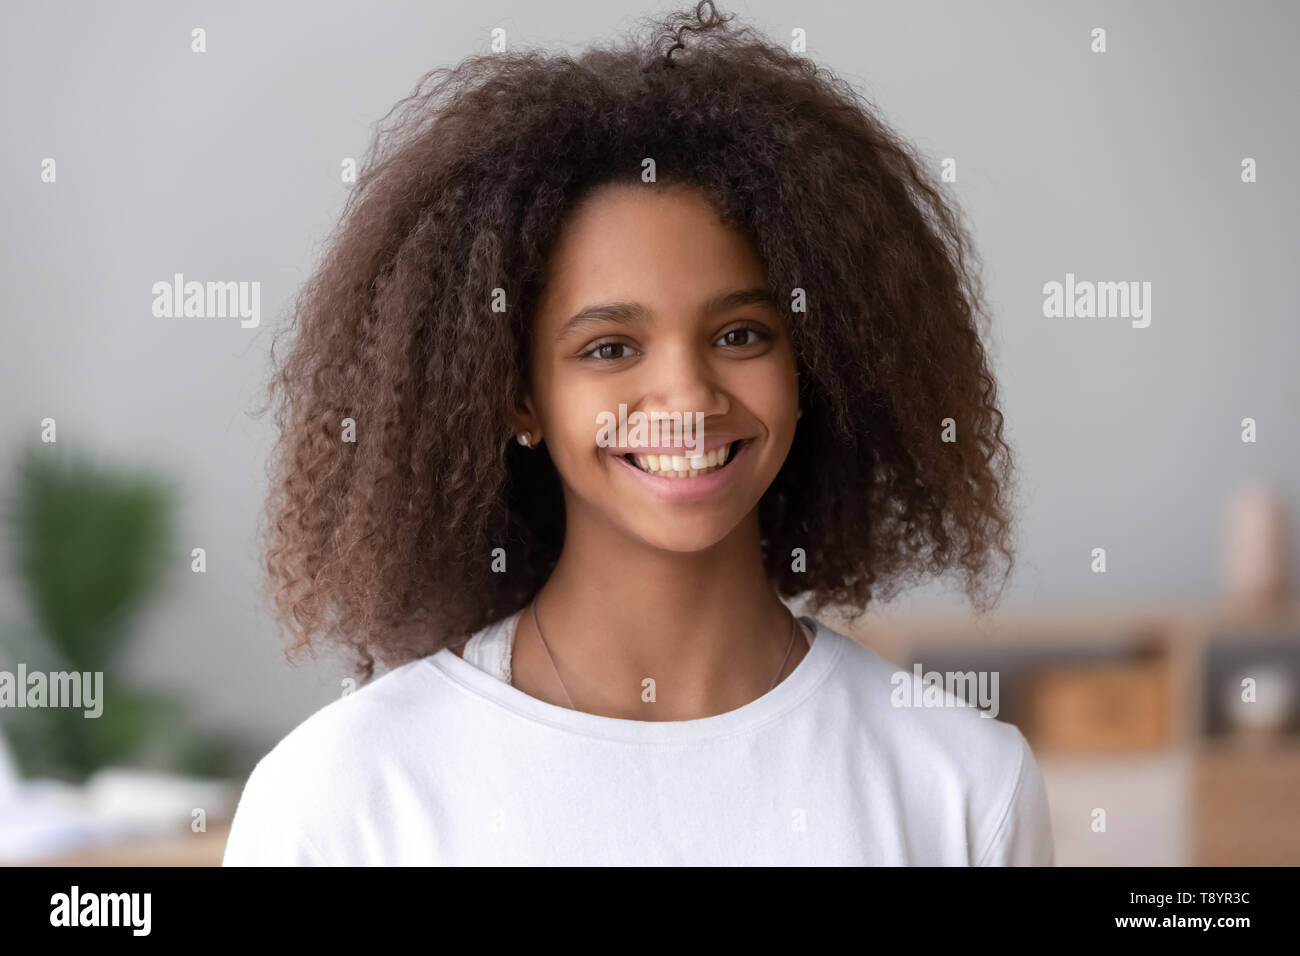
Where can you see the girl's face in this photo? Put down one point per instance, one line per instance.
(654, 304)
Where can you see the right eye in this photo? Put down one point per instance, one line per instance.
(601, 351)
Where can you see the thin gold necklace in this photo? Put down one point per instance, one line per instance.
(538, 624)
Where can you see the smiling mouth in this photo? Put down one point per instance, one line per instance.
(679, 466)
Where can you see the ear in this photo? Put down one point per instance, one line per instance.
(523, 418)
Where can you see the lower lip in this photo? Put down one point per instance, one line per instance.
(688, 489)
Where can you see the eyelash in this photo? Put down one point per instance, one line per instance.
(763, 335)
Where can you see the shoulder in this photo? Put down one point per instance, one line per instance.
(947, 750)
(352, 723)
(301, 789)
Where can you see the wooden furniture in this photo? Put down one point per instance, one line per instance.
(1130, 713)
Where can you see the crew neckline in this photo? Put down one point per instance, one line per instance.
(808, 675)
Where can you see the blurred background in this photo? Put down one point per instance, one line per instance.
(1158, 679)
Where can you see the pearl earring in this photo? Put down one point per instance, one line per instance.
(524, 439)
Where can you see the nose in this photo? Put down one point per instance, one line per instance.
(682, 379)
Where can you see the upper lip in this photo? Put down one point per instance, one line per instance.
(712, 440)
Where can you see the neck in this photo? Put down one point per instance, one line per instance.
(705, 626)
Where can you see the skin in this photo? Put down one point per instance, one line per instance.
(674, 591)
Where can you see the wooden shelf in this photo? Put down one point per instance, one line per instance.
(1246, 806)
(1237, 799)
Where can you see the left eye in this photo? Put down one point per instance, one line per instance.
(600, 350)
(742, 332)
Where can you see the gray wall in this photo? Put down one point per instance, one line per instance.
(1116, 166)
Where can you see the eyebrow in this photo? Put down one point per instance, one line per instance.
(624, 312)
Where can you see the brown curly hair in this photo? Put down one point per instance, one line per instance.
(383, 545)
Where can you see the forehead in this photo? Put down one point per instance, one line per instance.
(664, 246)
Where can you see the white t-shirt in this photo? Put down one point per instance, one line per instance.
(441, 762)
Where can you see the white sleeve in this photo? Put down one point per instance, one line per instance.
(267, 829)
(1023, 834)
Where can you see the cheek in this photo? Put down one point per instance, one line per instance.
(573, 423)
(768, 389)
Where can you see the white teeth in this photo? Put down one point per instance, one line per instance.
(708, 459)
(677, 466)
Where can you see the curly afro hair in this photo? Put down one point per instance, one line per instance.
(382, 545)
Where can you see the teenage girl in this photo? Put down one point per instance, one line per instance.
(591, 652)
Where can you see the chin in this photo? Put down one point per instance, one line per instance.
(680, 541)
